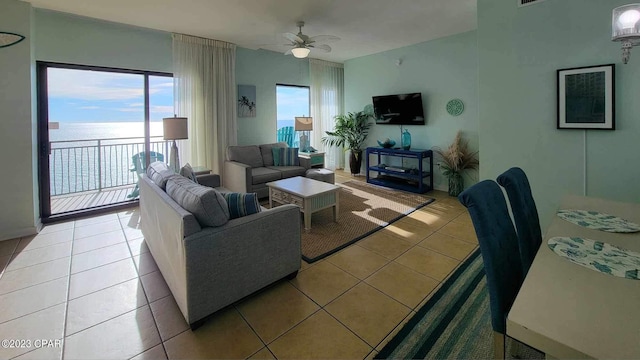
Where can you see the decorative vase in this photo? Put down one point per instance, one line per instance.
(355, 161)
(456, 184)
(406, 140)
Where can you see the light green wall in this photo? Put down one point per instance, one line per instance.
(441, 70)
(73, 39)
(519, 51)
(19, 205)
(265, 69)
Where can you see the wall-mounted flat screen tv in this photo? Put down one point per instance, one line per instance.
(401, 109)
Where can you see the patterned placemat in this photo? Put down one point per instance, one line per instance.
(598, 221)
(598, 256)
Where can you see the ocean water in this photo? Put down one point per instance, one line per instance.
(94, 156)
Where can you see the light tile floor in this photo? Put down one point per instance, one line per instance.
(93, 283)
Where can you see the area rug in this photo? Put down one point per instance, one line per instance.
(455, 323)
(364, 209)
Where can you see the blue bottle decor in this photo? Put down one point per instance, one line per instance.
(406, 140)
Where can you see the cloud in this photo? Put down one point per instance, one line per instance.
(94, 85)
(136, 104)
(159, 109)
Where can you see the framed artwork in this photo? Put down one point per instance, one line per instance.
(586, 97)
(246, 101)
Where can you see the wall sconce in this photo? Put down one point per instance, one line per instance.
(626, 28)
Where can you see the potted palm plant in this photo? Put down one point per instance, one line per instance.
(455, 160)
(350, 132)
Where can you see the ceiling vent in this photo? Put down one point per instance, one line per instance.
(522, 3)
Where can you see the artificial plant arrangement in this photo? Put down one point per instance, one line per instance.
(455, 160)
(350, 132)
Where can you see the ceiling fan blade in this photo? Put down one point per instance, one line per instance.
(321, 47)
(293, 37)
(323, 38)
(288, 52)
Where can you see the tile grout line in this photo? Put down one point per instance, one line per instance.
(66, 307)
(144, 291)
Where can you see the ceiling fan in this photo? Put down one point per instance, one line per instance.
(302, 44)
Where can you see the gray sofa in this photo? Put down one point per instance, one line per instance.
(209, 268)
(250, 168)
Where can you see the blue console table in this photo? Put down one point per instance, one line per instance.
(409, 177)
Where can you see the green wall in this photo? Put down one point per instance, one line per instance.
(19, 204)
(519, 51)
(441, 70)
(66, 38)
(265, 69)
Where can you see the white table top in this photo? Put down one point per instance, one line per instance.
(569, 311)
(303, 186)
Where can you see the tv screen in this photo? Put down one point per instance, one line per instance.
(401, 109)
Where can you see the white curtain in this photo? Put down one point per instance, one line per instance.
(327, 101)
(205, 93)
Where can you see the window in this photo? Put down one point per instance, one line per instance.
(291, 101)
(92, 124)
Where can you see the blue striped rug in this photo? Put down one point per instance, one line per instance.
(454, 324)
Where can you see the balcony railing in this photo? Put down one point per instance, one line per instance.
(96, 164)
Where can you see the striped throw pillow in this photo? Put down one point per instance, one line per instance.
(242, 204)
(289, 157)
(276, 151)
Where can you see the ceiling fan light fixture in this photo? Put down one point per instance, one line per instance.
(300, 52)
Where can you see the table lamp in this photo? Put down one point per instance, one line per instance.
(304, 123)
(175, 128)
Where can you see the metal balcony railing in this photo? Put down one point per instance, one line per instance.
(95, 164)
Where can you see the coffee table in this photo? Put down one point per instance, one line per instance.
(308, 194)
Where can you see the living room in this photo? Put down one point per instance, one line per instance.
(503, 68)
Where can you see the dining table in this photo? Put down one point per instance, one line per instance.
(569, 311)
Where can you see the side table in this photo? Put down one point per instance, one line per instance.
(201, 170)
(311, 160)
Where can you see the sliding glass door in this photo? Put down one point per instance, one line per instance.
(98, 128)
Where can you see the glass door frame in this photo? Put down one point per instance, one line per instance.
(44, 146)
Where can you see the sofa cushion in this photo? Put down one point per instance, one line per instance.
(267, 154)
(206, 204)
(187, 171)
(159, 173)
(262, 175)
(249, 155)
(290, 171)
(242, 204)
(289, 157)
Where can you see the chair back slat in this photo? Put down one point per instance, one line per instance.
(499, 247)
(525, 214)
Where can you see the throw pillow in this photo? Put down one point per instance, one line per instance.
(289, 157)
(159, 173)
(276, 151)
(187, 171)
(205, 203)
(242, 204)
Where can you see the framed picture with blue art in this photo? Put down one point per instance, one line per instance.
(586, 98)
(246, 101)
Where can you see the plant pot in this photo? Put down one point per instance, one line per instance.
(456, 184)
(355, 161)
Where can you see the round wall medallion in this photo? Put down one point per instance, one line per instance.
(455, 107)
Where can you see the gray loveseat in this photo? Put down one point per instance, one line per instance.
(208, 268)
(250, 168)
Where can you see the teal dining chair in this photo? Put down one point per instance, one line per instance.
(499, 247)
(525, 214)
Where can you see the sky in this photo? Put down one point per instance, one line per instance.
(97, 96)
(292, 101)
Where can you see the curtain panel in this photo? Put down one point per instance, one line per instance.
(205, 93)
(327, 101)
